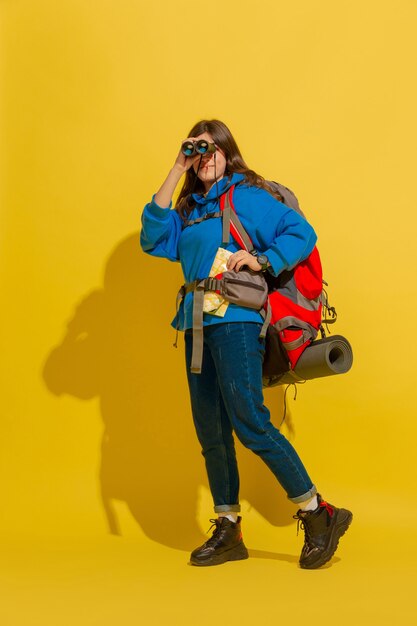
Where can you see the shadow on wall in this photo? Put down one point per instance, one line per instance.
(118, 346)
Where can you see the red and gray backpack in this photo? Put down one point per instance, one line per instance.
(290, 303)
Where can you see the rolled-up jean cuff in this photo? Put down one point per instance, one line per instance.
(226, 508)
(305, 496)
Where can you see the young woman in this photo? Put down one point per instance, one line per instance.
(227, 395)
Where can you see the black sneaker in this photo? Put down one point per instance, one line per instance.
(226, 544)
(323, 529)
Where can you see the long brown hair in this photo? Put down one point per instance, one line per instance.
(224, 139)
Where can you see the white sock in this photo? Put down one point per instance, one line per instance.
(309, 505)
(231, 516)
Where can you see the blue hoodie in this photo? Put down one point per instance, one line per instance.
(277, 231)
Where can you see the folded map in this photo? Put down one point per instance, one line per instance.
(213, 302)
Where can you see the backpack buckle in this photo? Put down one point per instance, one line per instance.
(212, 284)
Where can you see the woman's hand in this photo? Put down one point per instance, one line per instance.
(240, 258)
(183, 163)
(163, 196)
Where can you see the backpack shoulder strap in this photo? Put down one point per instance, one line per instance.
(231, 222)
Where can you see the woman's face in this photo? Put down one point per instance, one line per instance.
(212, 166)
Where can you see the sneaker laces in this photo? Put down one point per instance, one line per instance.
(214, 523)
(300, 524)
(303, 522)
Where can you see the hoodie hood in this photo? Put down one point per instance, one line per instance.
(217, 190)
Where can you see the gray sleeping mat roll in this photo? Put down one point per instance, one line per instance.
(324, 357)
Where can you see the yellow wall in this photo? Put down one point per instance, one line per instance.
(95, 431)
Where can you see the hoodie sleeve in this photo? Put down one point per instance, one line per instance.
(286, 238)
(161, 230)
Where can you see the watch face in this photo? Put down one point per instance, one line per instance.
(262, 259)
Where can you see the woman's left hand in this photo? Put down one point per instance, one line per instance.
(240, 258)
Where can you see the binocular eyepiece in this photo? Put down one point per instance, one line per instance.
(191, 148)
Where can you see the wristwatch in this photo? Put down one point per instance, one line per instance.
(263, 261)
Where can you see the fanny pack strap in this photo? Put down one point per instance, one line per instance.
(198, 287)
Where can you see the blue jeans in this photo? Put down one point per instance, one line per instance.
(227, 396)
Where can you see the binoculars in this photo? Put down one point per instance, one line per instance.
(191, 148)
